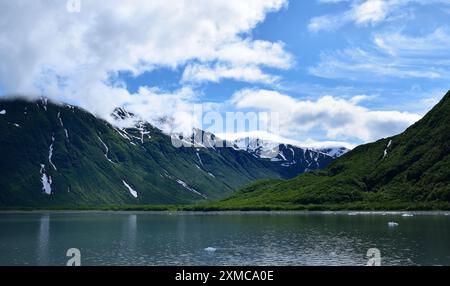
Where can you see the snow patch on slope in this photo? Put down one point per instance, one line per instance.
(46, 181)
(106, 149)
(141, 128)
(50, 154)
(130, 189)
(60, 120)
(387, 149)
(199, 159)
(186, 186)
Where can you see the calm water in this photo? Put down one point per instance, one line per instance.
(239, 239)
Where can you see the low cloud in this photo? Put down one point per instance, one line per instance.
(335, 117)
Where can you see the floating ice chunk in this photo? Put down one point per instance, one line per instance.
(392, 224)
(3, 112)
(17, 125)
(210, 249)
(132, 192)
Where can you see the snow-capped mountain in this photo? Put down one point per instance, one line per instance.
(57, 154)
(334, 152)
(288, 155)
(294, 159)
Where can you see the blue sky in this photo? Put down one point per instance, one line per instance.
(336, 70)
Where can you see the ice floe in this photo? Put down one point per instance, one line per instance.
(210, 249)
(2, 112)
(392, 224)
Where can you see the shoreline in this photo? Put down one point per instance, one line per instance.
(193, 213)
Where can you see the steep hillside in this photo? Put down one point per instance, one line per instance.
(60, 155)
(413, 167)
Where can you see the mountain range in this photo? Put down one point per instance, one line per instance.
(409, 170)
(54, 154)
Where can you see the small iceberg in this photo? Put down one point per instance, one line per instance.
(392, 224)
(210, 249)
(407, 215)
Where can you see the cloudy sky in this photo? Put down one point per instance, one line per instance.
(335, 70)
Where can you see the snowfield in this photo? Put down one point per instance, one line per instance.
(130, 189)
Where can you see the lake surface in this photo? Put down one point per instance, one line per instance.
(108, 238)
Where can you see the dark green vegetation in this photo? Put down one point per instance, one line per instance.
(90, 161)
(407, 171)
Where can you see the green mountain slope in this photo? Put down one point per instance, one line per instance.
(410, 168)
(59, 155)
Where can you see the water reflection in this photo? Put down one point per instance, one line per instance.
(43, 240)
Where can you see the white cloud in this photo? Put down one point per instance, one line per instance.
(371, 11)
(393, 55)
(336, 117)
(366, 12)
(70, 56)
(356, 64)
(431, 45)
(202, 73)
(359, 98)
